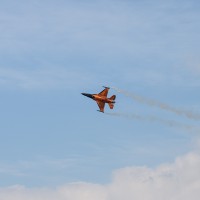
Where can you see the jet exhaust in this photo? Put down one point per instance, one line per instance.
(150, 102)
(169, 123)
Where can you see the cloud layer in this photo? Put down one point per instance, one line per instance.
(179, 180)
(43, 78)
(141, 42)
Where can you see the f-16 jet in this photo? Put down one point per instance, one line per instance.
(101, 99)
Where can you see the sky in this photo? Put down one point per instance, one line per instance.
(53, 143)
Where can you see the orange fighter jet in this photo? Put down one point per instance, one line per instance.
(101, 99)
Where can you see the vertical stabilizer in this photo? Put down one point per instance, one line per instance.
(113, 97)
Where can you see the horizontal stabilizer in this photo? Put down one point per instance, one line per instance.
(111, 105)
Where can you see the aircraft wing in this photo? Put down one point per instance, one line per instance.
(104, 92)
(101, 105)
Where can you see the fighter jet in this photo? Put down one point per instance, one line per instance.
(101, 99)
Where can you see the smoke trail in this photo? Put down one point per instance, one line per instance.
(170, 123)
(163, 106)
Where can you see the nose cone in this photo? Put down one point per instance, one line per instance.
(87, 95)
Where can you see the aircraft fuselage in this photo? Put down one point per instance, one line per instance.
(97, 97)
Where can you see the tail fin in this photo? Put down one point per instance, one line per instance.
(111, 105)
(113, 97)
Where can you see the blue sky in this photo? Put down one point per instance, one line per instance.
(51, 51)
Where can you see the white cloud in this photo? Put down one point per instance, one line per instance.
(193, 64)
(43, 78)
(114, 34)
(10, 170)
(179, 180)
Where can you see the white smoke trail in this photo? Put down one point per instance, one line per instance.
(170, 123)
(150, 102)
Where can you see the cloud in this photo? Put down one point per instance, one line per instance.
(142, 42)
(193, 64)
(10, 170)
(43, 78)
(27, 168)
(179, 180)
(122, 27)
